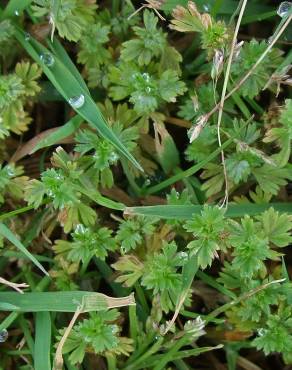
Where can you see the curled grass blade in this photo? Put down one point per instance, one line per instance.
(60, 301)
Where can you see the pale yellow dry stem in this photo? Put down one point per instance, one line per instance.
(246, 364)
(224, 89)
(176, 312)
(14, 286)
(58, 361)
(150, 6)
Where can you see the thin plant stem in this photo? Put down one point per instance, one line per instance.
(243, 297)
(251, 71)
(189, 172)
(224, 89)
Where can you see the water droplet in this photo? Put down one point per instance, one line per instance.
(114, 329)
(183, 256)
(47, 59)
(147, 182)
(113, 157)
(284, 9)
(79, 229)
(146, 76)
(10, 171)
(77, 101)
(96, 156)
(50, 193)
(26, 36)
(148, 89)
(261, 332)
(59, 177)
(206, 8)
(3, 335)
(16, 13)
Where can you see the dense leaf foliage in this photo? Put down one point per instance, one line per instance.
(202, 235)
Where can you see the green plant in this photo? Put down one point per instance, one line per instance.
(101, 189)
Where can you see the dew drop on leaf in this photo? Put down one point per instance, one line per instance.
(3, 335)
(77, 101)
(206, 8)
(10, 171)
(146, 77)
(183, 256)
(147, 182)
(26, 36)
(113, 157)
(79, 229)
(47, 59)
(284, 8)
(261, 332)
(16, 13)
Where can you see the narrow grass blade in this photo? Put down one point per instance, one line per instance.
(15, 6)
(6, 233)
(42, 346)
(68, 86)
(8, 320)
(26, 330)
(61, 133)
(184, 212)
(189, 172)
(58, 49)
(61, 301)
(156, 359)
(188, 273)
(214, 284)
(99, 199)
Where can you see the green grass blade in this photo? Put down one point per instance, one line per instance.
(58, 49)
(184, 212)
(60, 301)
(8, 320)
(61, 133)
(257, 17)
(68, 86)
(189, 172)
(15, 6)
(214, 284)
(6, 233)
(42, 346)
(26, 330)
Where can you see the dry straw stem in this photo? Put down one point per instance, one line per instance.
(15, 286)
(242, 81)
(224, 89)
(151, 4)
(58, 362)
